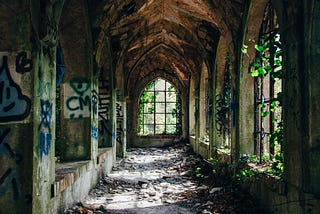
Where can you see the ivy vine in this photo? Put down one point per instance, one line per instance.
(268, 61)
(223, 102)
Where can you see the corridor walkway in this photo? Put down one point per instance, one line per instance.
(162, 181)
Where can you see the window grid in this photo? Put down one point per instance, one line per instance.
(156, 112)
(264, 89)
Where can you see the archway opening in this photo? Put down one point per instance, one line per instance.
(159, 109)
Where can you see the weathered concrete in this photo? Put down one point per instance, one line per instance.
(74, 180)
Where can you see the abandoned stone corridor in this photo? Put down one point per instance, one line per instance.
(84, 83)
(168, 180)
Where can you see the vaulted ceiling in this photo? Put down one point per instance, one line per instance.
(172, 35)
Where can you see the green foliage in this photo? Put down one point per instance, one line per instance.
(276, 137)
(268, 61)
(146, 98)
(254, 159)
(223, 102)
(213, 161)
(277, 165)
(266, 157)
(198, 173)
(246, 173)
(265, 64)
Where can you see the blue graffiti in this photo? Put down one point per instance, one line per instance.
(45, 134)
(94, 132)
(45, 144)
(45, 114)
(14, 106)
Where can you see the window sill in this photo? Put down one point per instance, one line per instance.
(66, 174)
(261, 176)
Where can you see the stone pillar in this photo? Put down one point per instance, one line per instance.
(44, 100)
(312, 95)
(293, 111)
(44, 131)
(121, 124)
(105, 110)
(94, 116)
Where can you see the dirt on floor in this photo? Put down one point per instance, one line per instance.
(168, 180)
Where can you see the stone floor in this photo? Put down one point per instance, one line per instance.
(163, 181)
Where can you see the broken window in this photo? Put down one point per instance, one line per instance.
(159, 109)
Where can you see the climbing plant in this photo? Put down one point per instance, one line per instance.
(268, 64)
(223, 102)
(266, 68)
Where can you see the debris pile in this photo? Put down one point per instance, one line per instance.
(164, 180)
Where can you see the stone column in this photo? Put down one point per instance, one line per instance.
(312, 95)
(121, 124)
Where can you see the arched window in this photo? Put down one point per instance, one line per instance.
(159, 109)
(267, 71)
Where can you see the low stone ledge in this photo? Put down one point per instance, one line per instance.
(103, 154)
(67, 173)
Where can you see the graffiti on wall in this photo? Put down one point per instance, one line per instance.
(14, 106)
(23, 64)
(105, 123)
(45, 114)
(94, 107)
(120, 120)
(94, 132)
(94, 102)
(77, 98)
(9, 179)
(45, 144)
(44, 127)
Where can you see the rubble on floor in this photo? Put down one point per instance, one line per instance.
(164, 180)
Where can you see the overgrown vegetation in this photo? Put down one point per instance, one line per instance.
(223, 104)
(268, 64)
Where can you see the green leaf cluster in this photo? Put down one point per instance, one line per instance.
(268, 58)
(277, 165)
(198, 173)
(268, 61)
